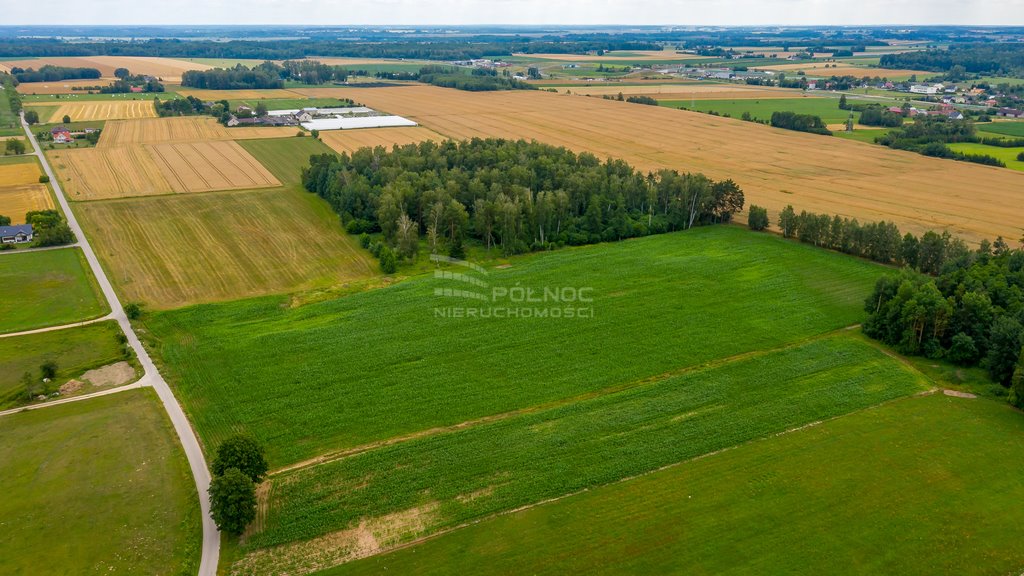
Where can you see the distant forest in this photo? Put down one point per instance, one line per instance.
(515, 195)
(991, 59)
(51, 73)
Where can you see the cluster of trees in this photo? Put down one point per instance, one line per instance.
(800, 122)
(640, 99)
(971, 313)
(49, 228)
(14, 147)
(878, 241)
(478, 80)
(875, 115)
(997, 59)
(514, 195)
(50, 73)
(239, 465)
(237, 78)
(188, 106)
(929, 135)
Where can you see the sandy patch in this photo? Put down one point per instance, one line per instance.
(110, 375)
(958, 394)
(71, 386)
(371, 536)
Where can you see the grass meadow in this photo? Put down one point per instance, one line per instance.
(1007, 155)
(826, 108)
(52, 287)
(377, 364)
(1012, 129)
(922, 485)
(500, 466)
(92, 487)
(75, 350)
(285, 157)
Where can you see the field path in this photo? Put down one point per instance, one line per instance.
(151, 376)
(60, 327)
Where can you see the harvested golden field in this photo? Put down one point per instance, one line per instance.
(259, 132)
(174, 251)
(686, 91)
(18, 173)
(89, 110)
(215, 95)
(637, 55)
(775, 167)
(18, 199)
(167, 68)
(819, 69)
(351, 140)
(152, 169)
(61, 87)
(98, 173)
(206, 166)
(161, 130)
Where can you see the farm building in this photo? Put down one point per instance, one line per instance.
(349, 123)
(19, 234)
(1010, 113)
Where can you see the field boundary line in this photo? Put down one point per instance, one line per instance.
(132, 386)
(105, 317)
(650, 380)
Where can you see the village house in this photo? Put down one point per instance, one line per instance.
(19, 234)
(1010, 113)
(61, 135)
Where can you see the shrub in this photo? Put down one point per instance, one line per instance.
(1020, 157)
(67, 119)
(49, 369)
(232, 501)
(963, 351)
(242, 453)
(364, 240)
(388, 261)
(757, 218)
(133, 310)
(43, 178)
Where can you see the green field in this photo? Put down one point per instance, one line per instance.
(1013, 129)
(96, 487)
(826, 108)
(926, 485)
(515, 462)
(867, 135)
(285, 157)
(997, 80)
(75, 350)
(704, 294)
(53, 287)
(1007, 155)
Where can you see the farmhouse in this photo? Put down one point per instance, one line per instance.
(1010, 113)
(19, 234)
(61, 135)
(927, 89)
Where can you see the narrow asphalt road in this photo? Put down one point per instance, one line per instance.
(151, 377)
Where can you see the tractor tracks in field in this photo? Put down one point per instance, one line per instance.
(646, 381)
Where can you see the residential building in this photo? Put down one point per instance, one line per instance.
(19, 234)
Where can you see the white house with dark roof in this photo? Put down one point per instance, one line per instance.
(19, 234)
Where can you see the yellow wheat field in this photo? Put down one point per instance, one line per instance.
(775, 167)
(168, 69)
(352, 140)
(19, 199)
(216, 95)
(146, 170)
(685, 91)
(161, 130)
(819, 69)
(21, 173)
(89, 110)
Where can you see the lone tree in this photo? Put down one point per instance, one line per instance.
(67, 119)
(232, 501)
(242, 453)
(757, 218)
(49, 369)
(32, 117)
(15, 147)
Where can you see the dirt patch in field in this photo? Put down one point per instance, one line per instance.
(958, 394)
(110, 375)
(371, 536)
(71, 386)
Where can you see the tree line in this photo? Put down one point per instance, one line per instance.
(996, 59)
(237, 78)
(475, 80)
(800, 122)
(929, 135)
(50, 73)
(948, 301)
(516, 196)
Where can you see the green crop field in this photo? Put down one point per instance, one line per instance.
(285, 157)
(75, 350)
(1013, 129)
(515, 462)
(312, 378)
(862, 134)
(96, 487)
(925, 485)
(54, 287)
(1007, 155)
(826, 108)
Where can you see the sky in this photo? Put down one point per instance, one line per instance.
(564, 12)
